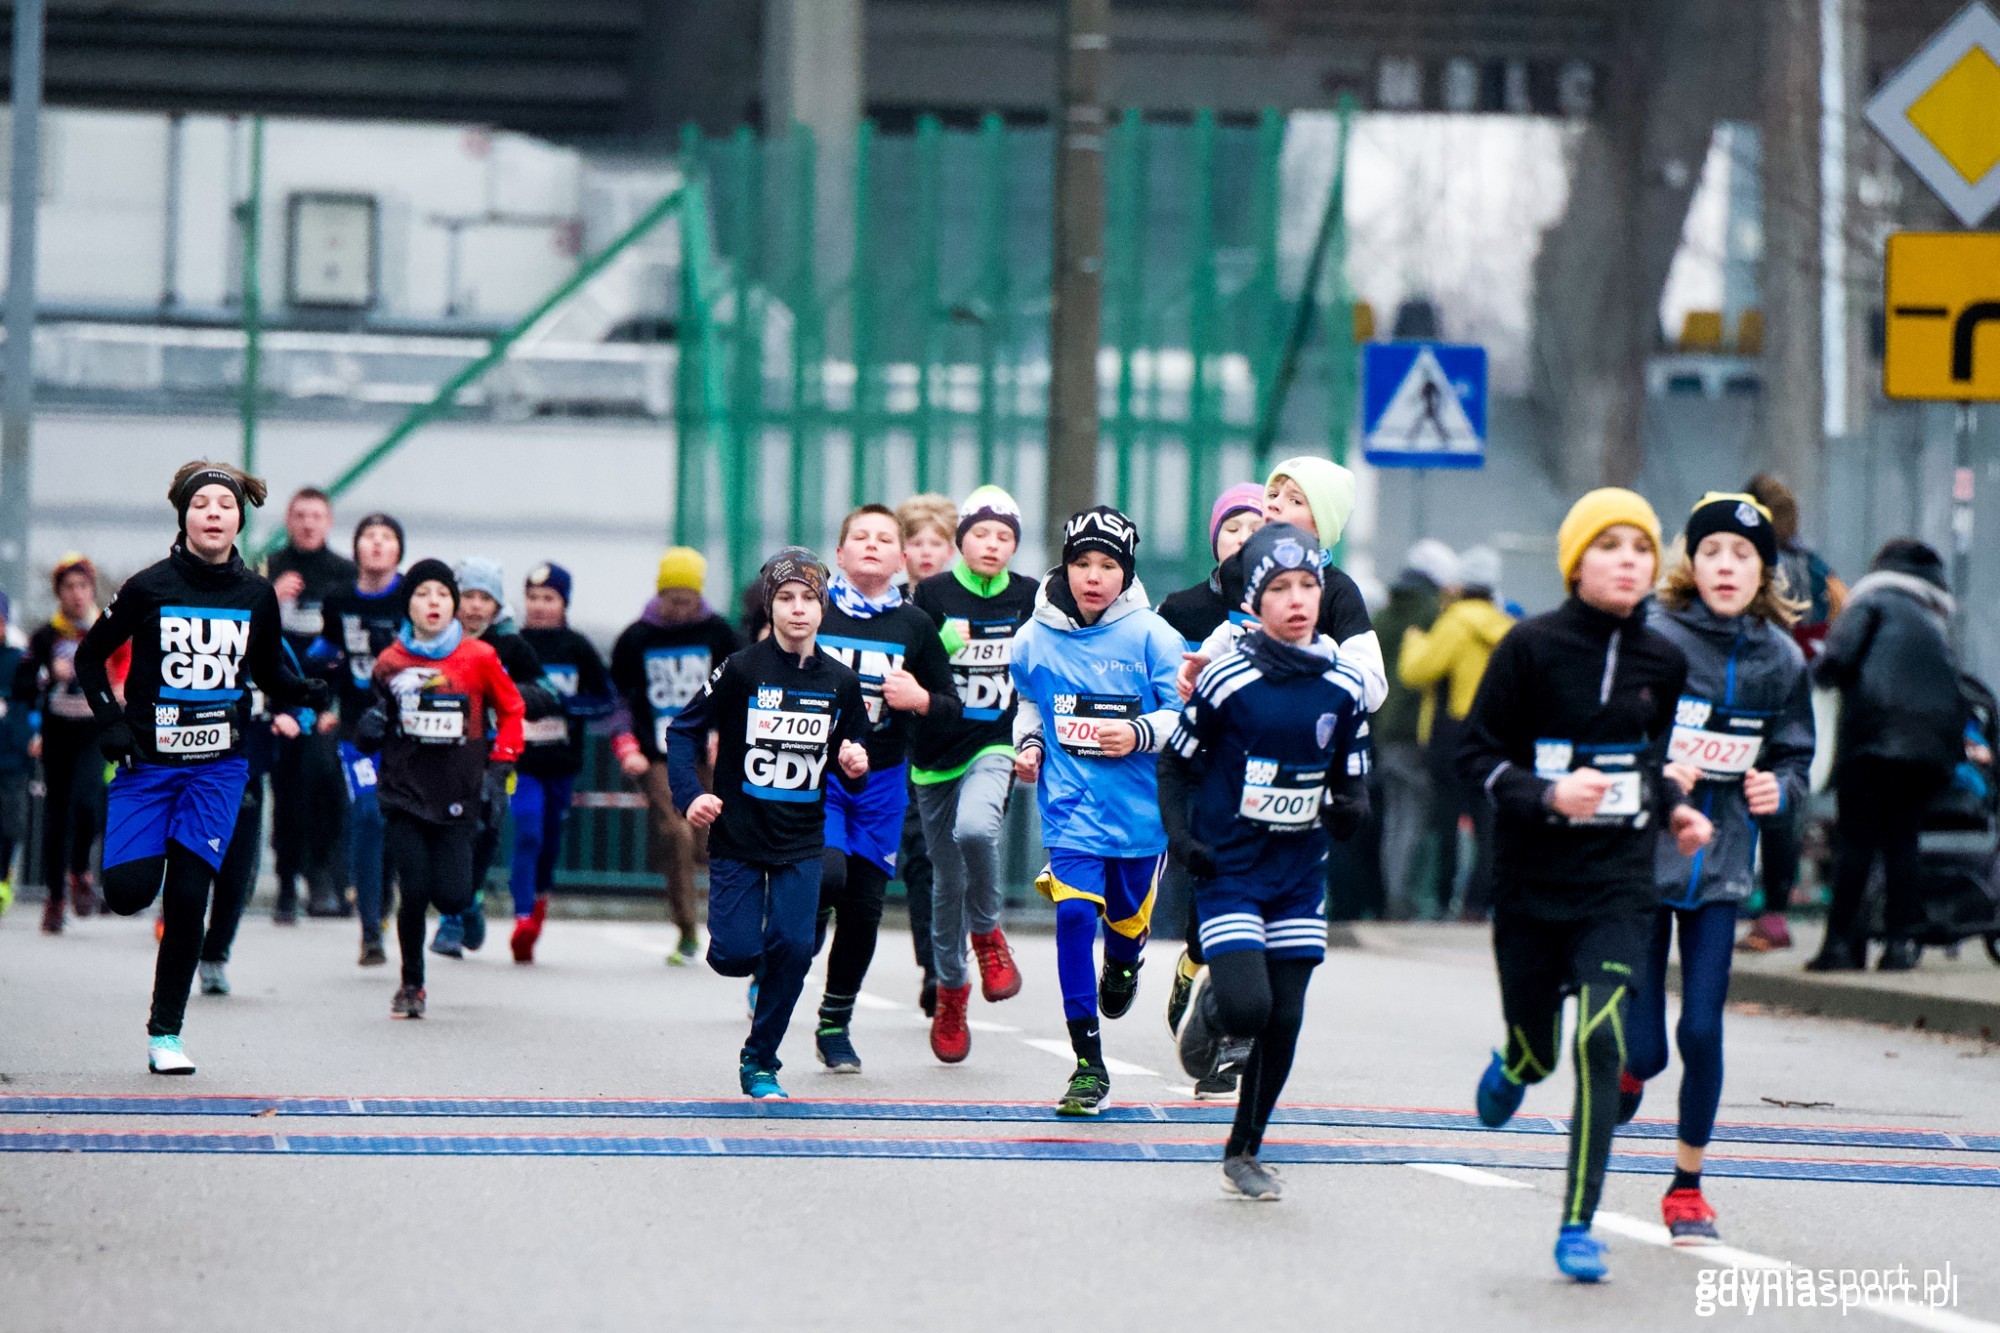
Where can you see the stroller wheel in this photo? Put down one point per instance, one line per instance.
(1993, 947)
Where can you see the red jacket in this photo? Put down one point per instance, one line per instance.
(434, 759)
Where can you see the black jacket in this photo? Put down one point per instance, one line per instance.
(1890, 657)
(325, 573)
(1571, 689)
(903, 638)
(656, 669)
(201, 634)
(572, 666)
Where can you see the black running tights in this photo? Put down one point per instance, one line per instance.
(431, 865)
(850, 897)
(180, 879)
(1265, 998)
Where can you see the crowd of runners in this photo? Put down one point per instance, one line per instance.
(871, 721)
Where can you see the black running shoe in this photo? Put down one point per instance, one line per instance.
(408, 1003)
(1089, 1089)
(1180, 994)
(371, 952)
(1118, 986)
(927, 997)
(1200, 1039)
(836, 1051)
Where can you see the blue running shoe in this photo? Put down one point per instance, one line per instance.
(450, 937)
(1580, 1255)
(473, 925)
(1499, 1096)
(760, 1084)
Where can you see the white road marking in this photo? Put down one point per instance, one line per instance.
(1062, 1049)
(1918, 1316)
(980, 1025)
(1470, 1175)
(866, 1001)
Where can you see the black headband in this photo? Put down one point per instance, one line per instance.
(208, 476)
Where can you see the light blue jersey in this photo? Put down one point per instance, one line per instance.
(1070, 677)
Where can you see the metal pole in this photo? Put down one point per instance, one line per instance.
(17, 430)
(1203, 344)
(251, 214)
(1077, 292)
(930, 189)
(1962, 484)
(994, 293)
(806, 484)
(861, 309)
(170, 220)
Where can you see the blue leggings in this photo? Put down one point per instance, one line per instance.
(540, 806)
(1708, 937)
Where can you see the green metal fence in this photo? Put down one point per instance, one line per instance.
(914, 357)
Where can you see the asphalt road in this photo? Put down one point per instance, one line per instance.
(825, 1236)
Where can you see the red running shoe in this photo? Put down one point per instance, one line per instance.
(526, 931)
(999, 979)
(1689, 1219)
(1630, 1091)
(83, 898)
(951, 1039)
(540, 911)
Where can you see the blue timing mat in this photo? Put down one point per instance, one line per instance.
(1170, 1113)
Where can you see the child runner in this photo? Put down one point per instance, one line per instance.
(201, 626)
(1568, 737)
(482, 610)
(783, 709)
(72, 773)
(1096, 667)
(547, 772)
(1195, 613)
(929, 522)
(1315, 494)
(1743, 745)
(658, 664)
(434, 686)
(895, 650)
(964, 770)
(1271, 748)
(360, 622)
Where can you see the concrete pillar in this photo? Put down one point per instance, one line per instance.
(814, 76)
(1794, 396)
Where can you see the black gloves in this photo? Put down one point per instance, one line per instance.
(115, 740)
(1193, 855)
(1344, 811)
(493, 793)
(315, 694)
(371, 729)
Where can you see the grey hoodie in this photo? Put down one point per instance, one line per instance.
(1747, 694)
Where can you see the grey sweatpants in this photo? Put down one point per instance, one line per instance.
(962, 825)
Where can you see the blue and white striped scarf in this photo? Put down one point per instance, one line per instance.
(849, 599)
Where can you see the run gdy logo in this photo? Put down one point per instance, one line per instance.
(201, 651)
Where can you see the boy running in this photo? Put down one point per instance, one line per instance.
(964, 769)
(783, 709)
(895, 650)
(929, 523)
(1271, 748)
(1096, 668)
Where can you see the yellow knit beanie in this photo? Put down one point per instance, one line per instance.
(1590, 516)
(682, 567)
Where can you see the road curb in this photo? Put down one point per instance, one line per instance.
(1802, 993)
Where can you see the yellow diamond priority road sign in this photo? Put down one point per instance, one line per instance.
(1941, 113)
(1944, 317)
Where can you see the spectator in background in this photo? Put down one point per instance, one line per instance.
(1902, 733)
(1810, 580)
(1447, 663)
(16, 730)
(1402, 783)
(308, 790)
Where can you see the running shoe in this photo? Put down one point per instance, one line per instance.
(1244, 1175)
(1217, 1084)
(409, 1002)
(836, 1051)
(52, 915)
(83, 898)
(1201, 1036)
(214, 979)
(684, 952)
(523, 941)
(1768, 933)
(1580, 1255)
(1234, 1058)
(927, 995)
(6, 895)
(1499, 1096)
(160, 925)
(285, 914)
(371, 952)
(1689, 1219)
(759, 1084)
(1089, 1088)
(999, 979)
(1118, 986)
(1185, 971)
(472, 925)
(1631, 1091)
(165, 1056)
(951, 1038)
(450, 937)
(323, 903)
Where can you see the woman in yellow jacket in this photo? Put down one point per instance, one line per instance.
(1447, 662)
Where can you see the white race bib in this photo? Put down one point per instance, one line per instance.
(546, 731)
(434, 724)
(776, 726)
(301, 618)
(1717, 754)
(1621, 799)
(204, 738)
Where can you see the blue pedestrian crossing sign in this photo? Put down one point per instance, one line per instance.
(1423, 404)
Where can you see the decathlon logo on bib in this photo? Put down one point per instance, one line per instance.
(201, 651)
